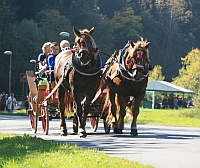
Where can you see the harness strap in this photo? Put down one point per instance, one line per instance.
(108, 81)
(87, 72)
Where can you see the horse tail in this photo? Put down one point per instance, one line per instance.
(55, 88)
(68, 104)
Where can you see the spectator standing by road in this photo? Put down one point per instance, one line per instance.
(26, 104)
(11, 103)
(176, 103)
(3, 102)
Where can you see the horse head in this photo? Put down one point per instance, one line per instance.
(85, 47)
(137, 59)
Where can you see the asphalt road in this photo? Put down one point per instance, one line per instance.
(159, 146)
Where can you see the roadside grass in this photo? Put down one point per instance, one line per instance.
(26, 151)
(189, 117)
(15, 112)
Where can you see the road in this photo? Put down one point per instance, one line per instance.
(159, 146)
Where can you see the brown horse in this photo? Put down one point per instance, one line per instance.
(78, 71)
(129, 77)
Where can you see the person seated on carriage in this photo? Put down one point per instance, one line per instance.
(42, 58)
(54, 47)
(64, 45)
(49, 70)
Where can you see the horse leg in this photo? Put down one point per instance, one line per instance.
(61, 97)
(87, 108)
(79, 113)
(122, 113)
(135, 112)
(113, 110)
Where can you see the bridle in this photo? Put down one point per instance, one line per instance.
(84, 51)
(138, 63)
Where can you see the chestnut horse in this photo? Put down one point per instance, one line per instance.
(78, 71)
(129, 78)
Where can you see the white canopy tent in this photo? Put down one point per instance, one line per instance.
(164, 86)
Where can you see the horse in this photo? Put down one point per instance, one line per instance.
(77, 71)
(129, 77)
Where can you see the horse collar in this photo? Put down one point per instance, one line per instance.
(86, 71)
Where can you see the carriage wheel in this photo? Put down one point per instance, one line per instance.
(45, 120)
(94, 122)
(33, 118)
(106, 127)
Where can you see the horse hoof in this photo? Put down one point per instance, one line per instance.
(83, 134)
(118, 131)
(63, 133)
(75, 133)
(134, 132)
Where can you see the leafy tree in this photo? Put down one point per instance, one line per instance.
(7, 18)
(156, 74)
(152, 33)
(189, 74)
(26, 45)
(125, 26)
(83, 15)
(104, 38)
(108, 8)
(194, 22)
(52, 23)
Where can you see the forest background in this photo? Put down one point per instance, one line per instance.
(172, 27)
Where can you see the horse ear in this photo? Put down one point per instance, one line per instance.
(147, 45)
(131, 43)
(91, 30)
(76, 31)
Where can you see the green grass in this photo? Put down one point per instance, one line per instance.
(189, 117)
(15, 112)
(26, 151)
(182, 117)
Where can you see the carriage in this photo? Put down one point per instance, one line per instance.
(44, 110)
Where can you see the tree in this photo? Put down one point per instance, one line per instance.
(125, 26)
(108, 7)
(156, 74)
(7, 18)
(83, 14)
(52, 23)
(26, 44)
(189, 74)
(194, 22)
(152, 33)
